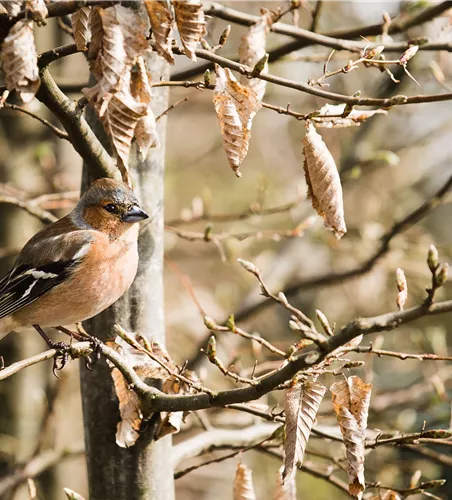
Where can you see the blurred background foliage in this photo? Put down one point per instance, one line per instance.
(388, 166)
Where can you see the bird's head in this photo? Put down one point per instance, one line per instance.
(110, 206)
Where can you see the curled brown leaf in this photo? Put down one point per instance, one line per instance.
(20, 62)
(353, 119)
(324, 183)
(236, 107)
(252, 49)
(301, 404)
(162, 24)
(351, 400)
(285, 490)
(12, 7)
(191, 24)
(80, 21)
(243, 483)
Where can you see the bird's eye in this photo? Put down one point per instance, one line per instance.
(113, 209)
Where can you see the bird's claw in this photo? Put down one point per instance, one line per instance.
(61, 356)
(92, 359)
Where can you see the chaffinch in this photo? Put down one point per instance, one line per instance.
(77, 267)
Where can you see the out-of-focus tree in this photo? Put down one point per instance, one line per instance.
(304, 394)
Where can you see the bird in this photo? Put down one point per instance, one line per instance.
(76, 267)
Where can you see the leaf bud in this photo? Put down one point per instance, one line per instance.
(210, 323)
(224, 36)
(248, 266)
(230, 323)
(207, 79)
(408, 54)
(260, 65)
(211, 350)
(433, 258)
(442, 275)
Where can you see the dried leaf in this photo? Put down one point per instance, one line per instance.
(20, 62)
(119, 120)
(351, 399)
(73, 495)
(324, 183)
(236, 107)
(129, 409)
(146, 134)
(37, 10)
(127, 431)
(80, 21)
(191, 24)
(162, 24)
(301, 403)
(402, 288)
(170, 424)
(12, 7)
(146, 128)
(243, 483)
(118, 38)
(252, 49)
(353, 119)
(285, 490)
(121, 112)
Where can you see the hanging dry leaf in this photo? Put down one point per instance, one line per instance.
(324, 183)
(402, 288)
(252, 49)
(236, 107)
(80, 21)
(285, 490)
(121, 112)
(20, 62)
(129, 409)
(37, 10)
(351, 399)
(118, 38)
(243, 483)
(12, 7)
(301, 403)
(162, 24)
(191, 24)
(353, 119)
(127, 431)
(146, 134)
(119, 120)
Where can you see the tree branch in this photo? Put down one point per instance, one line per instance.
(81, 136)
(330, 279)
(154, 400)
(372, 30)
(43, 215)
(58, 132)
(304, 87)
(37, 465)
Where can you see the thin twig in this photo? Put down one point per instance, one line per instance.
(174, 105)
(58, 132)
(30, 207)
(334, 278)
(399, 355)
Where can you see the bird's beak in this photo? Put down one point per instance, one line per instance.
(135, 214)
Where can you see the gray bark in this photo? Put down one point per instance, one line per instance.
(142, 472)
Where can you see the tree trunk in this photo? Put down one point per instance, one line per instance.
(142, 472)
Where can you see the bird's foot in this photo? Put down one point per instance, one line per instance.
(61, 356)
(92, 359)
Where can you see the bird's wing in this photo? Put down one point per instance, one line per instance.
(47, 260)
